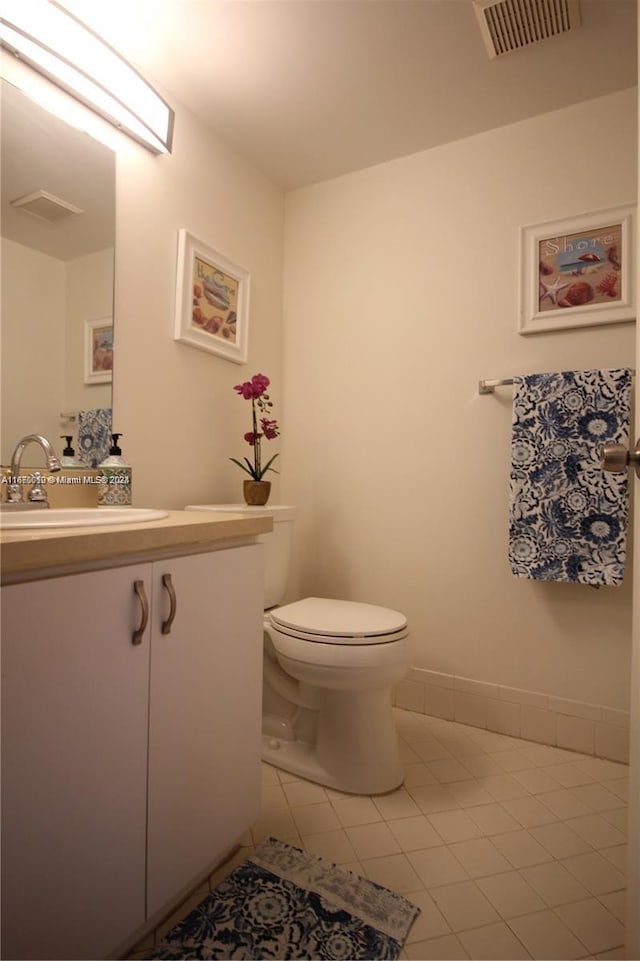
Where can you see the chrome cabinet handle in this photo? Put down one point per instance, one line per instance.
(615, 458)
(138, 587)
(167, 583)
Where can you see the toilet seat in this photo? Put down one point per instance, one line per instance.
(321, 620)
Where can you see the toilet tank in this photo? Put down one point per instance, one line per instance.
(277, 544)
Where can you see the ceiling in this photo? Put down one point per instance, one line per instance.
(311, 89)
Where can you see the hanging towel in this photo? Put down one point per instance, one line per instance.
(94, 435)
(567, 516)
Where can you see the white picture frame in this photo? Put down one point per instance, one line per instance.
(212, 300)
(578, 272)
(98, 350)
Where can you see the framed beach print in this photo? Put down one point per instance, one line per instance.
(98, 351)
(578, 272)
(212, 300)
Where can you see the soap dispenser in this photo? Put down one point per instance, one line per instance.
(69, 458)
(114, 478)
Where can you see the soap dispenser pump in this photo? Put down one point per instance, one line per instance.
(69, 458)
(115, 477)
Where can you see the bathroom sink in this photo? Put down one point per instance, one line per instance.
(77, 517)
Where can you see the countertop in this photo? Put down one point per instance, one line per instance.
(51, 552)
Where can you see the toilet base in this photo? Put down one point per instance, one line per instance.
(350, 748)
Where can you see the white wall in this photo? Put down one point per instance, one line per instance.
(175, 405)
(33, 347)
(401, 292)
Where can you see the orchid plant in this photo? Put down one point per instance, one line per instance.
(255, 390)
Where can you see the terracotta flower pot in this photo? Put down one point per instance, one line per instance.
(256, 493)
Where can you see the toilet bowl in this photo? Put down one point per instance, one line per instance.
(329, 667)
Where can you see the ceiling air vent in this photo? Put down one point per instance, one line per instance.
(42, 204)
(508, 25)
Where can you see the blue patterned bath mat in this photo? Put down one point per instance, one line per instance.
(568, 517)
(285, 903)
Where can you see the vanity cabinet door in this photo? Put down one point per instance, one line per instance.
(74, 748)
(205, 715)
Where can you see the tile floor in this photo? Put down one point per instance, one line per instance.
(510, 848)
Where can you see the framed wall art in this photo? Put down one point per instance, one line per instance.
(578, 272)
(98, 351)
(212, 300)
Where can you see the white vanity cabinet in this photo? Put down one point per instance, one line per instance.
(127, 769)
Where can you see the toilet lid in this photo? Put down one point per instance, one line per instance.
(343, 622)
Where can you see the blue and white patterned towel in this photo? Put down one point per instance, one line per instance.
(94, 435)
(568, 517)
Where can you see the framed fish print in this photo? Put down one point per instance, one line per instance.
(98, 350)
(212, 300)
(578, 272)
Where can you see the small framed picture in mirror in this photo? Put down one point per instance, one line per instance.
(98, 350)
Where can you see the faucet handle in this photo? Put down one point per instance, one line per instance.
(38, 494)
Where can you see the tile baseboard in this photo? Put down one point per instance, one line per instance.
(560, 722)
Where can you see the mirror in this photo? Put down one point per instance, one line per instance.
(57, 249)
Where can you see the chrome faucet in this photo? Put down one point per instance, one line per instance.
(15, 493)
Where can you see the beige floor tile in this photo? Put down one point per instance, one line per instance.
(482, 765)
(536, 780)
(332, 845)
(416, 775)
(616, 903)
(494, 942)
(554, 883)
(276, 822)
(513, 761)
(521, 849)
(593, 925)
(503, 786)
(545, 936)
(429, 923)
(619, 818)
(564, 804)
(601, 769)
(356, 810)
(479, 857)
(273, 796)
(447, 948)
(464, 906)
(393, 871)
(448, 769)
(596, 831)
(398, 804)
(510, 894)
(493, 819)
(432, 799)
(437, 866)
(619, 787)
(469, 793)
(454, 826)
(414, 833)
(617, 856)
(559, 840)
(569, 775)
(372, 840)
(269, 774)
(597, 797)
(597, 874)
(303, 792)
(529, 811)
(312, 818)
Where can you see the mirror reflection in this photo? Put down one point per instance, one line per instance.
(58, 233)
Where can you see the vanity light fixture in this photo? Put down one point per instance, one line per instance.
(56, 44)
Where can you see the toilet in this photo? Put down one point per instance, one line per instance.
(329, 667)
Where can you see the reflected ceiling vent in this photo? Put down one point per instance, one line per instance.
(46, 206)
(508, 25)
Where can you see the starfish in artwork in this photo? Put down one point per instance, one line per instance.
(552, 290)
